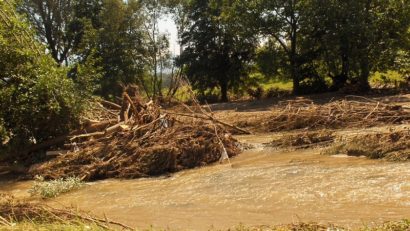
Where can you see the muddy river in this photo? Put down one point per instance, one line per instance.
(260, 187)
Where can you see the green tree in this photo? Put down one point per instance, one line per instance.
(360, 37)
(215, 52)
(56, 26)
(120, 46)
(158, 55)
(37, 100)
(280, 20)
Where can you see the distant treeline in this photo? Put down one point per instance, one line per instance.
(319, 45)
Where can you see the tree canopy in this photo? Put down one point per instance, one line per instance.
(56, 54)
(318, 45)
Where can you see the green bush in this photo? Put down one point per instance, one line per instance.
(256, 93)
(50, 189)
(313, 85)
(275, 92)
(37, 99)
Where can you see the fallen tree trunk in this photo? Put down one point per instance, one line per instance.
(94, 134)
(109, 104)
(114, 128)
(46, 144)
(92, 129)
(99, 126)
(12, 169)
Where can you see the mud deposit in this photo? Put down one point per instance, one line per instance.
(263, 186)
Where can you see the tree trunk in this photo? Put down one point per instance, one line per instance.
(295, 78)
(224, 90)
(293, 55)
(364, 75)
(344, 75)
(340, 80)
(363, 82)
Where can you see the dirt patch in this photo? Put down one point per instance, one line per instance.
(392, 145)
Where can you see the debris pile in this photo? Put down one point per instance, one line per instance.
(304, 114)
(16, 210)
(391, 145)
(13, 210)
(145, 140)
(303, 140)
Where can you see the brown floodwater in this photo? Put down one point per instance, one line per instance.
(262, 187)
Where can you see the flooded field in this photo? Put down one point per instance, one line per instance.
(262, 186)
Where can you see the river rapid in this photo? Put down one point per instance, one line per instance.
(261, 186)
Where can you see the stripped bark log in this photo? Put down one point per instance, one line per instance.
(56, 153)
(94, 134)
(114, 128)
(99, 126)
(109, 104)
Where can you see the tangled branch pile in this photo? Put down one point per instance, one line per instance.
(147, 141)
(13, 210)
(304, 114)
(393, 145)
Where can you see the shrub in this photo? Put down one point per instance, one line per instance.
(313, 85)
(275, 92)
(49, 189)
(37, 99)
(256, 93)
(208, 98)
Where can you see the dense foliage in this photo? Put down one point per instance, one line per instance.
(216, 49)
(37, 100)
(318, 45)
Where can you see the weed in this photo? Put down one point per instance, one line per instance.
(50, 189)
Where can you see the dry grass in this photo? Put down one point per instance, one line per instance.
(304, 114)
(403, 225)
(21, 215)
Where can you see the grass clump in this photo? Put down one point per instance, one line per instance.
(390, 226)
(27, 225)
(289, 227)
(53, 188)
(402, 225)
(24, 215)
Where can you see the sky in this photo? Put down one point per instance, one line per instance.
(167, 25)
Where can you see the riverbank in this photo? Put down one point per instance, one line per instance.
(284, 178)
(262, 186)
